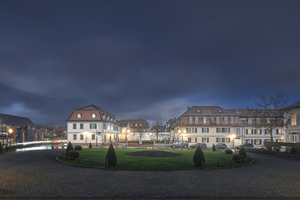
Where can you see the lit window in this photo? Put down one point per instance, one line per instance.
(294, 120)
(81, 136)
(93, 115)
(93, 136)
(204, 119)
(79, 115)
(135, 124)
(74, 136)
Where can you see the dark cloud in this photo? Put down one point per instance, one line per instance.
(144, 59)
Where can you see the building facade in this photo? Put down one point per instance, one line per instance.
(134, 129)
(92, 124)
(293, 129)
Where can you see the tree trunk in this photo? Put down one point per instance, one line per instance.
(271, 134)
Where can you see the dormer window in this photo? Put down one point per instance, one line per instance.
(79, 115)
(257, 120)
(140, 124)
(231, 119)
(103, 116)
(111, 119)
(218, 119)
(220, 111)
(190, 120)
(204, 120)
(135, 124)
(225, 119)
(268, 120)
(249, 120)
(93, 115)
(198, 111)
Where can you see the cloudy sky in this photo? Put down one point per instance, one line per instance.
(144, 59)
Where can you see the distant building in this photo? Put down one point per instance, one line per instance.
(134, 129)
(92, 124)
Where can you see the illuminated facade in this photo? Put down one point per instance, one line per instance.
(92, 124)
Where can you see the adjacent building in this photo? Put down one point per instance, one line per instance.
(134, 129)
(92, 124)
(293, 129)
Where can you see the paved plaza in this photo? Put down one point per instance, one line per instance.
(37, 175)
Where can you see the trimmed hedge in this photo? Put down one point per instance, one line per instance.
(213, 147)
(78, 147)
(295, 146)
(199, 158)
(238, 158)
(90, 145)
(261, 151)
(243, 152)
(228, 151)
(73, 154)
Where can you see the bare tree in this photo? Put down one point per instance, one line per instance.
(157, 127)
(270, 112)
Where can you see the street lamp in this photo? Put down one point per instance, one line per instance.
(97, 136)
(179, 131)
(233, 137)
(10, 132)
(85, 134)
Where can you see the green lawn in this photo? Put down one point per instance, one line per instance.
(126, 162)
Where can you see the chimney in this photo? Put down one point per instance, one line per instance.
(174, 117)
(188, 107)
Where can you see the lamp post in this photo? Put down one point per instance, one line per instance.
(179, 131)
(85, 134)
(233, 137)
(97, 136)
(10, 132)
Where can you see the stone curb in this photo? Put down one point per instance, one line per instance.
(79, 165)
(98, 167)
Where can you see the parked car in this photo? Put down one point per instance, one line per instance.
(221, 146)
(259, 147)
(245, 145)
(183, 144)
(202, 145)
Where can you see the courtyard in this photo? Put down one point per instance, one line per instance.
(37, 175)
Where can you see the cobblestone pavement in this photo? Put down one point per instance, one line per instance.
(36, 175)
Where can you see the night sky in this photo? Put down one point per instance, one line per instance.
(145, 58)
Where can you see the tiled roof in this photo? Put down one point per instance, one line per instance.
(86, 114)
(124, 122)
(206, 111)
(15, 120)
(295, 105)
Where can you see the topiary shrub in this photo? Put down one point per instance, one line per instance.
(199, 158)
(213, 147)
(73, 154)
(228, 151)
(78, 147)
(111, 157)
(90, 145)
(238, 158)
(69, 147)
(242, 152)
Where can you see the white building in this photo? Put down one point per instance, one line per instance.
(92, 124)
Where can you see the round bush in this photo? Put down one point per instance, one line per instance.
(228, 151)
(73, 154)
(237, 158)
(78, 147)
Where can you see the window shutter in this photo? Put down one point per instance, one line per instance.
(95, 126)
(202, 130)
(90, 126)
(265, 131)
(228, 130)
(207, 140)
(217, 130)
(207, 130)
(298, 120)
(251, 131)
(195, 130)
(246, 131)
(277, 131)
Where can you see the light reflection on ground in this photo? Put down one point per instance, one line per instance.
(42, 147)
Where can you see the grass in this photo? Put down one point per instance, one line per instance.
(126, 162)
